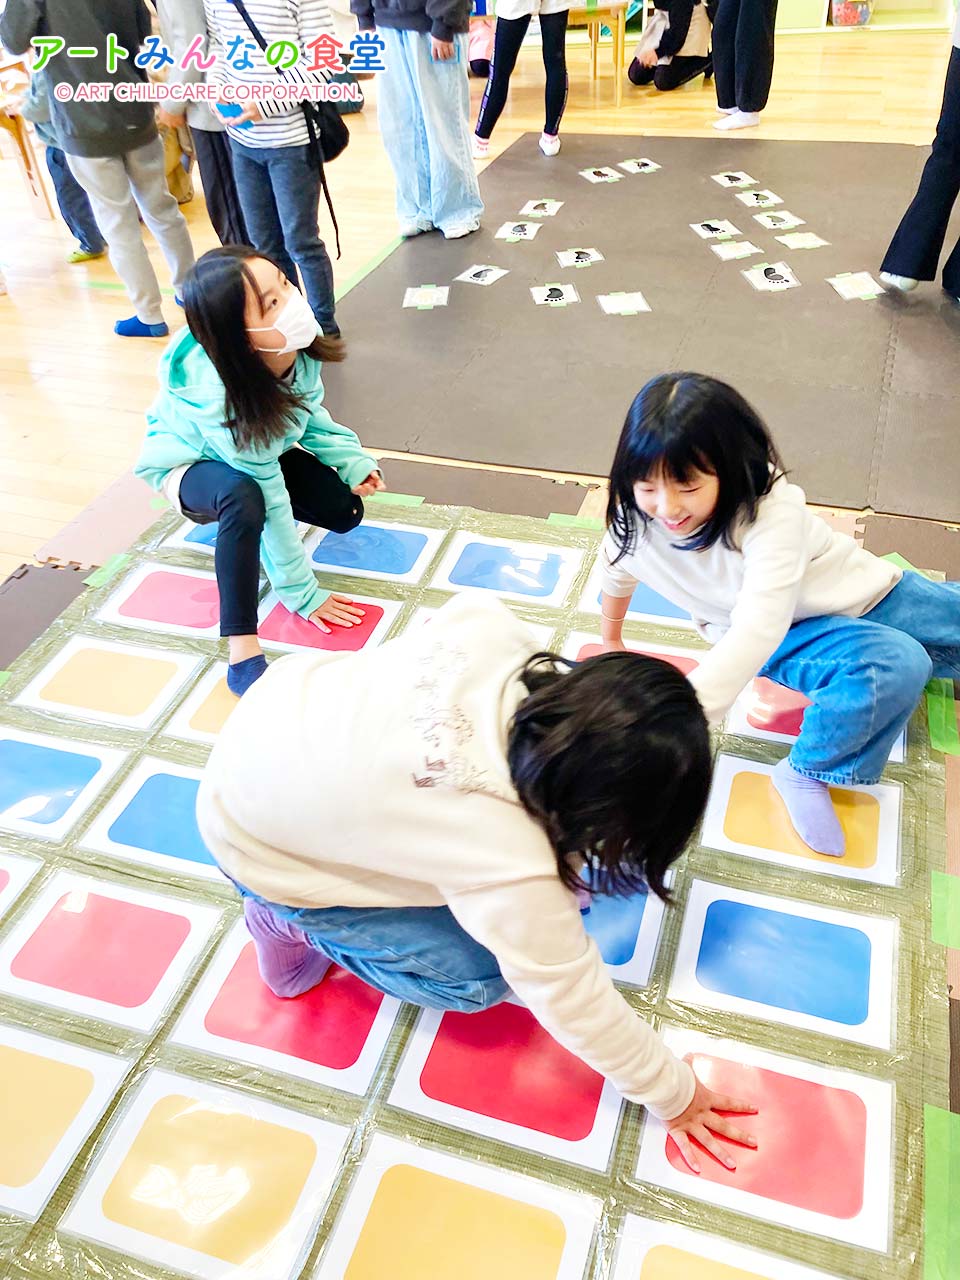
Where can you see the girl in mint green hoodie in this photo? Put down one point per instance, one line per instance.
(239, 434)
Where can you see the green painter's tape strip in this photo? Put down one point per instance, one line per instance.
(574, 522)
(945, 910)
(107, 571)
(352, 281)
(941, 1193)
(4, 677)
(942, 717)
(395, 499)
(158, 502)
(114, 286)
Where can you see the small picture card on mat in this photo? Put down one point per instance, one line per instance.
(773, 713)
(786, 961)
(579, 257)
(536, 572)
(109, 683)
(715, 229)
(736, 178)
(802, 240)
(649, 1250)
(331, 1035)
(759, 199)
(207, 709)
(281, 629)
(390, 552)
(104, 950)
(554, 295)
(47, 783)
(854, 286)
(485, 1072)
(780, 221)
(823, 1163)
(424, 297)
(482, 273)
(513, 231)
(152, 820)
(541, 208)
(642, 165)
(414, 1212)
(623, 304)
(209, 1182)
(52, 1094)
(731, 250)
(771, 277)
(746, 815)
(602, 173)
(16, 873)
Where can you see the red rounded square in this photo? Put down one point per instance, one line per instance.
(328, 1025)
(174, 597)
(103, 948)
(775, 708)
(679, 660)
(284, 627)
(501, 1063)
(811, 1139)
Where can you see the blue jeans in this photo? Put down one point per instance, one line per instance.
(424, 114)
(74, 203)
(279, 190)
(420, 954)
(866, 675)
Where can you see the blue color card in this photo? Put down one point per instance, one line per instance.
(160, 818)
(38, 784)
(786, 961)
(503, 569)
(647, 601)
(614, 924)
(371, 549)
(203, 534)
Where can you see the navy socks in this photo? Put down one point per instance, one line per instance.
(241, 675)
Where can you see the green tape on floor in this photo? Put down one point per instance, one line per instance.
(945, 910)
(574, 522)
(395, 499)
(4, 677)
(107, 571)
(364, 271)
(941, 1194)
(942, 717)
(158, 502)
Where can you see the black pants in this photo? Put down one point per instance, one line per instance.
(214, 491)
(915, 249)
(672, 74)
(743, 52)
(509, 38)
(214, 159)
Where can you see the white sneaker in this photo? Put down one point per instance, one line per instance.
(549, 143)
(464, 229)
(738, 120)
(481, 148)
(726, 111)
(906, 284)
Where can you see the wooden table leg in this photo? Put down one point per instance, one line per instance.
(28, 164)
(594, 28)
(619, 41)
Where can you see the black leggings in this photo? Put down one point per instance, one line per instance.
(672, 74)
(509, 38)
(215, 491)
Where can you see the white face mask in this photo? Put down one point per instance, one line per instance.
(296, 324)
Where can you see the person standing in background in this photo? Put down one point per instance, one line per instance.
(277, 176)
(423, 107)
(915, 249)
(743, 60)
(112, 147)
(180, 22)
(72, 200)
(513, 21)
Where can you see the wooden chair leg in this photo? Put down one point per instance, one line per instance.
(594, 41)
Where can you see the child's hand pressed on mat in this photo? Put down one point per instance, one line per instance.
(339, 610)
(701, 1121)
(372, 484)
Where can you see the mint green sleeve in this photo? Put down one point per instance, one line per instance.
(338, 447)
(281, 550)
(170, 442)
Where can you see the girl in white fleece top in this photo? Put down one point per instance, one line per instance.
(701, 511)
(419, 818)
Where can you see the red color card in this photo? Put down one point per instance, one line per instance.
(776, 709)
(811, 1139)
(4, 879)
(103, 948)
(283, 627)
(679, 660)
(501, 1063)
(166, 596)
(328, 1025)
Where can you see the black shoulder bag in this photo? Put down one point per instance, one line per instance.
(328, 133)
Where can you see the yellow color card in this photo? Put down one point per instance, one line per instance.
(121, 684)
(422, 1224)
(40, 1099)
(214, 711)
(757, 816)
(666, 1263)
(210, 1179)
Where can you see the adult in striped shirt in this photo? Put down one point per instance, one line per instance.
(276, 174)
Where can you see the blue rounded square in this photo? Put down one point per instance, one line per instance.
(614, 924)
(786, 962)
(504, 569)
(205, 535)
(646, 600)
(161, 818)
(39, 784)
(371, 549)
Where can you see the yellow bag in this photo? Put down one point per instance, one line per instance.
(178, 159)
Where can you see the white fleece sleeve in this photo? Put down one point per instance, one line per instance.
(616, 578)
(775, 560)
(534, 929)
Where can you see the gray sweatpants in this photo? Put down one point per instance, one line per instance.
(117, 185)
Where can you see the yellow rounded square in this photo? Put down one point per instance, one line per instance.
(39, 1100)
(758, 817)
(121, 684)
(214, 711)
(666, 1263)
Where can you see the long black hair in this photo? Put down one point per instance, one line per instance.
(258, 405)
(611, 757)
(682, 423)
